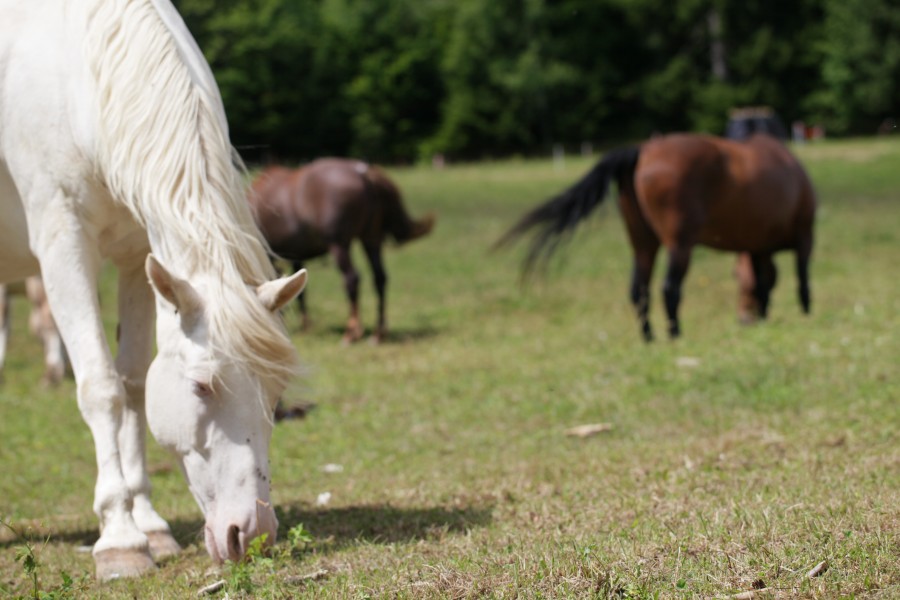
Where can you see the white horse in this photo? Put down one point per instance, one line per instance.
(41, 323)
(113, 143)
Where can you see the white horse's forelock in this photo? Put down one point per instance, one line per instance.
(163, 150)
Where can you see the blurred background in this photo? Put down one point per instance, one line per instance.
(402, 81)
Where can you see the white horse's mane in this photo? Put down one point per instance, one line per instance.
(163, 151)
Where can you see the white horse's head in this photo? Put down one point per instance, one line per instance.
(213, 411)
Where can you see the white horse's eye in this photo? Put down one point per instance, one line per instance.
(203, 390)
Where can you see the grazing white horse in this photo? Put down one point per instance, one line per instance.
(41, 324)
(113, 143)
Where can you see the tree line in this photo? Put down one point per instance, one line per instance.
(402, 80)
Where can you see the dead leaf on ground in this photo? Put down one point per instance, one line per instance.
(687, 362)
(583, 431)
(750, 594)
(835, 442)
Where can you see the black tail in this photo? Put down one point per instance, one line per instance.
(561, 214)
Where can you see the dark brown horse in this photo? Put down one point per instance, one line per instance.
(321, 208)
(681, 190)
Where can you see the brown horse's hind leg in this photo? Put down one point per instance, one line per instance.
(341, 254)
(645, 244)
(373, 252)
(804, 251)
(765, 275)
(640, 288)
(679, 261)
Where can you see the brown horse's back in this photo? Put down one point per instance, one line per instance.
(302, 212)
(330, 201)
(749, 196)
(334, 197)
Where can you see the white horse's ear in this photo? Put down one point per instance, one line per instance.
(177, 291)
(277, 293)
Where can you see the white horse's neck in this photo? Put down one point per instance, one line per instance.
(171, 163)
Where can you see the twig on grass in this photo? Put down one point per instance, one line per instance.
(315, 575)
(211, 588)
(818, 569)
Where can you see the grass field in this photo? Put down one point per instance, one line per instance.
(739, 457)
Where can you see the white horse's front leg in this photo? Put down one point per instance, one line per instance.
(136, 312)
(70, 265)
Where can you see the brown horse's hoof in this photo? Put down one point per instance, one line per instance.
(52, 378)
(748, 319)
(351, 337)
(162, 545)
(118, 563)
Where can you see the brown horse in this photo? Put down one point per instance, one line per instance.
(681, 190)
(321, 208)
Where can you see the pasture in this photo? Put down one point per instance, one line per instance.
(738, 457)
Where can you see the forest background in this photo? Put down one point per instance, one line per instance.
(400, 81)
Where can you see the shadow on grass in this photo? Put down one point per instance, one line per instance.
(380, 523)
(337, 527)
(80, 536)
(187, 532)
(394, 336)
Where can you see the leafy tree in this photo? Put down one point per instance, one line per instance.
(277, 84)
(396, 89)
(499, 75)
(861, 67)
(773, 52)
(397, 80)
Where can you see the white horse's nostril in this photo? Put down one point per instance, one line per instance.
(235, 551)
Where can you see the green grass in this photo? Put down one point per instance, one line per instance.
(777, 450)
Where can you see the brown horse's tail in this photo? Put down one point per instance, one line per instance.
(397, 221)
(559, 216)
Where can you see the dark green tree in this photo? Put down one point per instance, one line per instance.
(280, 85)
(400, 80)
(861, 66)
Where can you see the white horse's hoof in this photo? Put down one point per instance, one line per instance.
(162, 545)
(117, 563)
